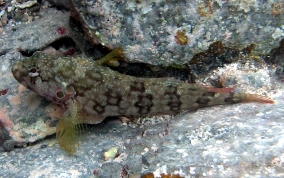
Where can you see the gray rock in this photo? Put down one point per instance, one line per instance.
(34, 35)
(224, 141)
(243, 140)
(61, 3)
(148, 30)
(110, 169)
(19, 124)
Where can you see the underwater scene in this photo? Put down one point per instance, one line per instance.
(133, 88)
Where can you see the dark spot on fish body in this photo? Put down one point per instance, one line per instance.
(232, 99)
(123, 106)
(174, 106)
(208, 94)
(137, 87)
(203, 101)
(95, 76)
(173, 98)
(86, 83)
(170, 89)
(144, 103)
(113, 97)
(97, 107)
(80, 91)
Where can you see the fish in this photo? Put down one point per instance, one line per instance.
(89, 91)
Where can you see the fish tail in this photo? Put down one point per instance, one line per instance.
(246, 96)
(218, 90)
(257, 98)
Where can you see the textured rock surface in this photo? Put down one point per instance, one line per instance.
(18, 104)
(23, 114)
(244, 140)
(35, 35)
(148, 30)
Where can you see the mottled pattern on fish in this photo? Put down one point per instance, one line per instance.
(96, 91)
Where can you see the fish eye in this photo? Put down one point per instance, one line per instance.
(60, 94)
(33, 72)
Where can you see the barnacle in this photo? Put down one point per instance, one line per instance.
(205, 9)
(277, 9)
(181, 38)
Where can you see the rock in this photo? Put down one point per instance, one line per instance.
(61, 3)
(35, 35)
(110, 169)
(19, 123)
(242, 140)
(150, 31)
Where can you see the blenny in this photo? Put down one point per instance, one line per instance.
(88, 92)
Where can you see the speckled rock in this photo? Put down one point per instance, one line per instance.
(34, 35)
(61, 3)
(243, 140)
(110, 169)
(163, 32)
(23, 114)
(19, 123)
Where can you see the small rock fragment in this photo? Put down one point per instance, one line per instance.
(111, 153)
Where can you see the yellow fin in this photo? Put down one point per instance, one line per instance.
(68, 128)
(66, 135)
(112, 58)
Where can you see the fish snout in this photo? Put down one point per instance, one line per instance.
(19, 71)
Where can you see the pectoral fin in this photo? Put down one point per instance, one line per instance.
(112, 58)
(68, 128)
(67, 135)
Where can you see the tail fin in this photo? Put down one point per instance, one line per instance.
(218, 90)
(257, 98)
(247, 97)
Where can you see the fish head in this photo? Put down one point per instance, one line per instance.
(37, 74)
(25, 70)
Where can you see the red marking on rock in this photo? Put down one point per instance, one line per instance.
(95, 172)
(3, 92)
(61, 30)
